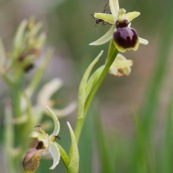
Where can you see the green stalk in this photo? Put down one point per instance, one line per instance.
(112, 53)
(110, 59)
(16, 89)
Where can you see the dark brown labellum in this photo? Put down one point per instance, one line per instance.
(28, 68)
(40, 145)
(31, 160)
(125, 37)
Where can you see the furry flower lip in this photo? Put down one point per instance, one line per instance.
(125, 36)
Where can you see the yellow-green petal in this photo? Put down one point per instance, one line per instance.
(54, 151)
(105, 38)
(47, 91)
(106, 17)
(143, 41)
(65, 111)
(132, 15)
(56, 122)
(35, 134)
(114, 7)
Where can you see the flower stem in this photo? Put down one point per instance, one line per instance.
(110, 59)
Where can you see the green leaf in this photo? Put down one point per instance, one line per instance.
(73, 166)
(83, 85)
(64, 155)
(110, 59)
(102, 149)
(93, 79)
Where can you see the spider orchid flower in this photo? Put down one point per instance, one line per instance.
(125, 37)
(47, 143)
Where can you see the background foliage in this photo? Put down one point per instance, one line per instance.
(134, 132)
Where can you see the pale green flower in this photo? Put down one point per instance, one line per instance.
(28, 44)
(120, 21)
(45, 94)
(121, 66)
(48, 141)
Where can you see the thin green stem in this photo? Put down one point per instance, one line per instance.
(100, 80)
(110, 58)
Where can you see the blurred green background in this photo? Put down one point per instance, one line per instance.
(129, 127)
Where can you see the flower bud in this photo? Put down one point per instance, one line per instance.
(121, 66)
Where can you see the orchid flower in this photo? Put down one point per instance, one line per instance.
(47, 142)
(45, 94)
(121, 66)
(125, 37)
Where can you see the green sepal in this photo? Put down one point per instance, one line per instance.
(114, 7)
(105, 38)
(106, 17)
(132, 15)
